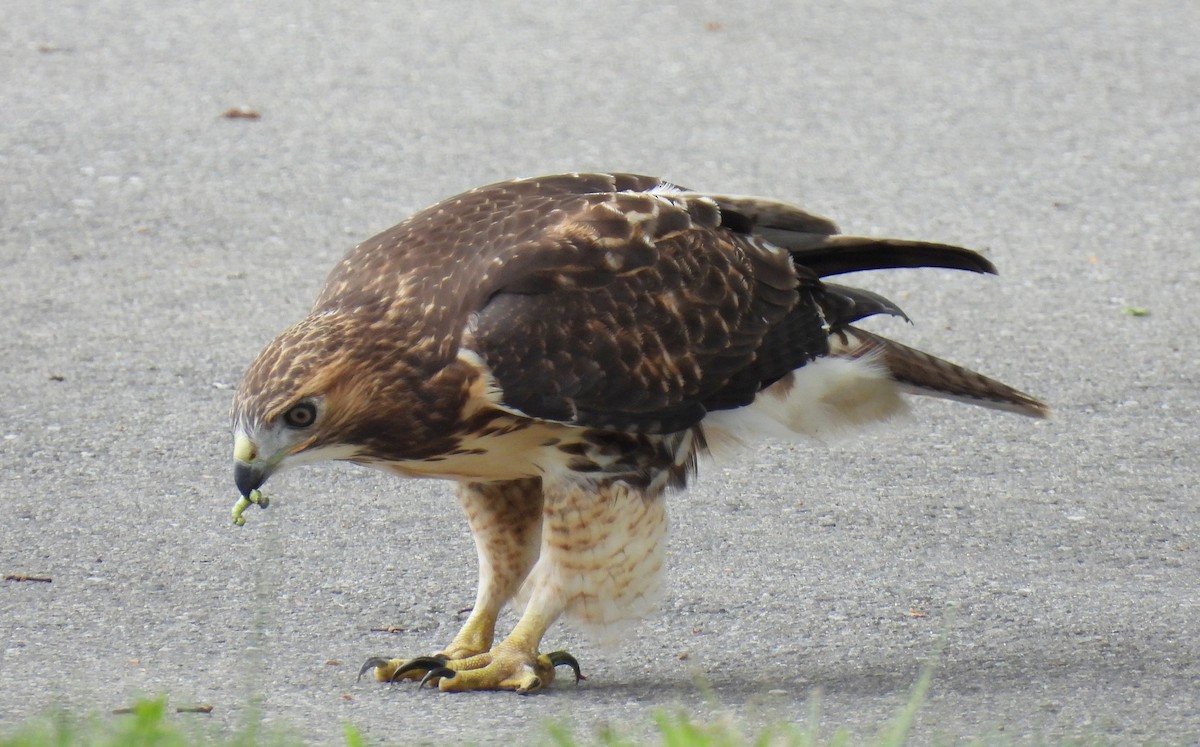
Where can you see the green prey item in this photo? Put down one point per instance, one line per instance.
(244, 502)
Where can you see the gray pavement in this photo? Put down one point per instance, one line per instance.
(149, 247)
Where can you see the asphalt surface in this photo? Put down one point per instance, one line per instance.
(150, 246)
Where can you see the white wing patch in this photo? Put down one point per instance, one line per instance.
(827, 398)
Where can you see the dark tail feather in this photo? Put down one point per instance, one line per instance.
(922, 373)
(815, 242)
(833, 255)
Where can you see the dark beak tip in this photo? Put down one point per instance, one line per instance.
(247, 478)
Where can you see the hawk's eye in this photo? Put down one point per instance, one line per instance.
(301, 415)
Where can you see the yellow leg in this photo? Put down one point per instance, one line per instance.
(506, 521)
(600, 560)
(512, 664)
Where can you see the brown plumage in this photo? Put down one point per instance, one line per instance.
(561, 347)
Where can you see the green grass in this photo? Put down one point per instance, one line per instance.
(681, 730)
(147, 725)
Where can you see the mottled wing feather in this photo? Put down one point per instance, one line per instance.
(611, 300)
(667, 328)
(770, 215)
(468, 247)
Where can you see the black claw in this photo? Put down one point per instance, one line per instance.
(559, 658)
(436, 673)
(421, 662)
(372, 663)
(532, 687)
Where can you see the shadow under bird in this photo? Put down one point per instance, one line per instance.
(562, 349)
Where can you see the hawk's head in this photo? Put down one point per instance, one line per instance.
(334, 387)
(293, 405)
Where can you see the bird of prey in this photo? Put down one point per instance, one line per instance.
(563, 348)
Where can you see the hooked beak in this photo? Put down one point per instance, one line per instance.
(248, 478)
(247, 475)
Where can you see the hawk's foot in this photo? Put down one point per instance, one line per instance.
(502, 668)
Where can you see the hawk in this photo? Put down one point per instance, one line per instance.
(563, 348)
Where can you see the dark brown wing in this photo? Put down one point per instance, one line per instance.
(690, 310)
(517, 236)
(668, 326)
(617, 301)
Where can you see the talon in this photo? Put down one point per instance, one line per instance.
(528, 687)
(436, 673)
(369, 664)
(559, 658)
(421, 662)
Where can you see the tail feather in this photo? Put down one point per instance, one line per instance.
(817, 249)
(834, 255)
(925, 374)
(814, 242)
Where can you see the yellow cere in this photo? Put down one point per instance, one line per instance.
(244, 503)
(243, 449)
